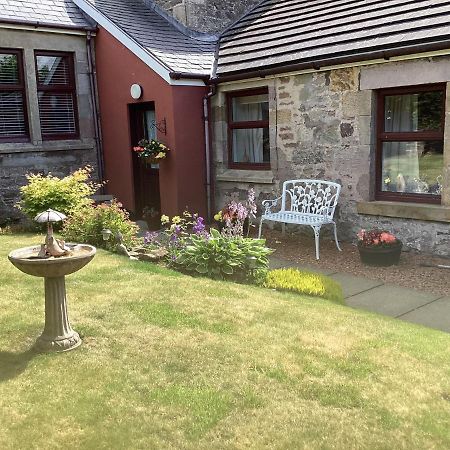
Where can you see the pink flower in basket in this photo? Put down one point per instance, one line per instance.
(387, 238)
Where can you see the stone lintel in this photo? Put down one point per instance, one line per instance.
(418, 211)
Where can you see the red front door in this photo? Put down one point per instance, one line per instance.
(146, 176)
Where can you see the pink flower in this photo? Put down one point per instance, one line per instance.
(361, 235)
(387, 238)
(376, 241)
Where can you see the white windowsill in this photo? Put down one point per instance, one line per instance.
(245, 176)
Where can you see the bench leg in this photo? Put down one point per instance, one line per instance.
(335, 238)
(260, 228)
(316, 229)
(283, 229)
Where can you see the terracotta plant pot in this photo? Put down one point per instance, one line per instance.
(380, 256)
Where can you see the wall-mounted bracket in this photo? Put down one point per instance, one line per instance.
(160, 126)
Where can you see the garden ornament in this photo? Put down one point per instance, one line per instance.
(52, 246)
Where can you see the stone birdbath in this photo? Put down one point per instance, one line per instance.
(53, 261)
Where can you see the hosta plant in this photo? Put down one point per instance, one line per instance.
(221, 257)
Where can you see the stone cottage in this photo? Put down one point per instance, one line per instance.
(356, 93)
(47, 94)
(353, 92)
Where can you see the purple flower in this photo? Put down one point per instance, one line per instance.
(199, 226)
(150, 237)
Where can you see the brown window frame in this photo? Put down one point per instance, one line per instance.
(21, 86)
(411, 136)
(244, 125)
(71, 89)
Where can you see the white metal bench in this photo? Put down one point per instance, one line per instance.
(305, 202)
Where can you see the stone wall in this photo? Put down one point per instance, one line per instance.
(211, 16)
(58, 157)
(322, 126)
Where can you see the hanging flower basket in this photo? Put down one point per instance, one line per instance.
(379, 248)
(151, 152)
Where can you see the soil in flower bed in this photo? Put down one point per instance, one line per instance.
(409, 273)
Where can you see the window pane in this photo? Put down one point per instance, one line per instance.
(412, 167)
(250, 108)
(57, 113)
(251, 145)
(9, 71)
(413, 112)
(53, 70)
(12, 115)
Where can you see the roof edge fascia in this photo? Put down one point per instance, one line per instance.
(131, 44)
(38, 25)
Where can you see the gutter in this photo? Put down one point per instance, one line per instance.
(39, 24)
(322, 64)
(189, 76)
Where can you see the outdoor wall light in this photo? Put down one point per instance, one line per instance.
(106, 234)
(136, 91)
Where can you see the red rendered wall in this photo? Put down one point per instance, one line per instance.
(182, 174)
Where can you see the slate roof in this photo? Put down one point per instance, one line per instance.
(49, 12)
(177, 51)
(278, 33)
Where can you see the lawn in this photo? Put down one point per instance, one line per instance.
(169, 361)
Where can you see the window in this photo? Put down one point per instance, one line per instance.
(248, 129)
(13, 116)
(56, 95)
(410, 149)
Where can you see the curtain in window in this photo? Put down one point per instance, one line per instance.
(248, 144)
(401, 159)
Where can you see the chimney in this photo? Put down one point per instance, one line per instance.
(207, 16)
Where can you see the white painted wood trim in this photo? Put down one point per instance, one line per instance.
(150, 60)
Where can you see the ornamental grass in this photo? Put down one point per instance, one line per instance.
(303, 282)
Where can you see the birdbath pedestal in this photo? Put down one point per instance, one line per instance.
(58, 335)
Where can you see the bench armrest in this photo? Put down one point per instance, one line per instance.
(269, 204)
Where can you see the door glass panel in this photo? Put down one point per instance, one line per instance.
(150, 129)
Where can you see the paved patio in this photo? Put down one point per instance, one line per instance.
(423, 308)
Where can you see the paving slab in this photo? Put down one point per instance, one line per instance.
(390, 300)
(434, 315)
(352, 285)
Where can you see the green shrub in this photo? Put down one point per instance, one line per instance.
(240, 259)
(304, 282)
(85, 225)
(61, 194)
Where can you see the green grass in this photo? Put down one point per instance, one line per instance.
(169, 361)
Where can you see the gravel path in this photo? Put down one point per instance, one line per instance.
(411, 271)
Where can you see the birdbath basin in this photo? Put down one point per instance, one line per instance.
(58, 335)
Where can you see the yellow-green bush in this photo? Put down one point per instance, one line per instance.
(65, 195)
(303, 282)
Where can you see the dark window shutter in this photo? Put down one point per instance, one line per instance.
(13, 120)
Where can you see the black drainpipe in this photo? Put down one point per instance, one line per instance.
(97, 126)
(208, 152)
